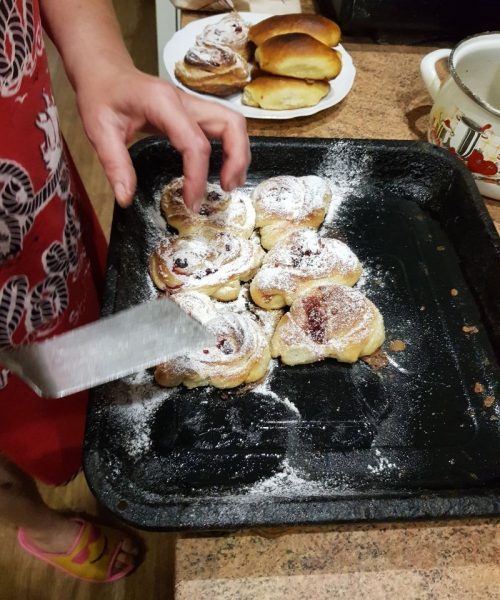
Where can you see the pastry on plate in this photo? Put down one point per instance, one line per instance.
(316, 26)
(220, 211)
(328, 321)
(286, 203)
(239, 355)
(213, 263)
(282, 93)
(301, 261)
(231, 31)
(298, 55)
(216, 70)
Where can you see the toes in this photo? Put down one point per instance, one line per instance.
(122, 562)
(129, 547)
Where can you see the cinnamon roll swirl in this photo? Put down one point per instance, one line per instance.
(300, 261)
(286, 203)
(240, 355)
(220, 211)
(328, 321)
(231, 32)
(213, 69)
(214, 264)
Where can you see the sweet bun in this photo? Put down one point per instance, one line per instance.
(298, 55)
(301, 261)
(329, 321)
(316, 26)
(282, 93)
(286, 203)
(232, 212)
(213, 263)
(213, 70)
(231, 32)
(239, 355)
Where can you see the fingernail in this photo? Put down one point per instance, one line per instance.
(120, 192)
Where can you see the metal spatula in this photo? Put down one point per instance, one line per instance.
(113, 347)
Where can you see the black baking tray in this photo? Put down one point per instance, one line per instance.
(325, 442)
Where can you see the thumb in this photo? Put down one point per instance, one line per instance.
(110, 147)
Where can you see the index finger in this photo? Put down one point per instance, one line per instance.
(188, 138)
(230, 127)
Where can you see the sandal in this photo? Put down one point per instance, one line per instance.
(91, 556)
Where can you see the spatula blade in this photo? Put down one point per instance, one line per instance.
(111, 348)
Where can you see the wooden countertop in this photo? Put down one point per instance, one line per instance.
(458, 559)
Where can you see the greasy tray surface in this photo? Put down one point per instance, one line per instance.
(323, 442)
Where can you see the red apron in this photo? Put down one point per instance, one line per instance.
(52, 250)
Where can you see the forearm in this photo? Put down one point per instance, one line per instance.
(87, 35)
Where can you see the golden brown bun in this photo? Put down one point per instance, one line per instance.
(298, 55)
(282, 93)
(213, 70)
(212, 262)
(232, 212)
(329, 321)
(301, 261)
(286, 203)
(239, 355)
(316, 26)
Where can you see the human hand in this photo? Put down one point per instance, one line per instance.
(118, 102)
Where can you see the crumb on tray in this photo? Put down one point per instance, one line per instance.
(454, 292)
(470, 329)
(377, 360)
(397, 346)
(478, 388)
(489, 401)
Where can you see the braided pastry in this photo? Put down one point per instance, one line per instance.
(300, 261)
(231, 32)
(221, 211)
(329, 321)
(240, 354)
(286, 203)
(213, 70)
(214, 264)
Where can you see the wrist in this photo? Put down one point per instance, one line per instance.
(101, 69)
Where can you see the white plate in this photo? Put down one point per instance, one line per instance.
(176, 48)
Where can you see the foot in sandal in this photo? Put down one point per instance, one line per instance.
(84, 550)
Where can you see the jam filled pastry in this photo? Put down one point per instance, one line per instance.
(231, 32)
(286, 203)
(329, 321)
(239, 355)
(216, 70)
(220, 211)
(300, 261)
(213, 264)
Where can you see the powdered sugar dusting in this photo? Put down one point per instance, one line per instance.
(222, 211)
(137, 399)
(212, 260)
(290, 198)
(241, 345)
(336, 168)
(287, 481)
(382, 464)
(325, 321)
(302, 257)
